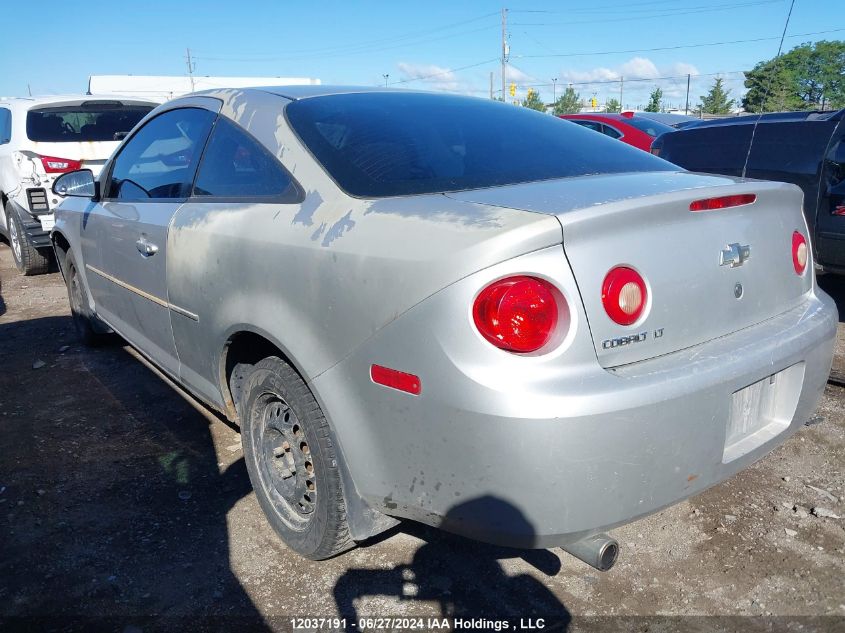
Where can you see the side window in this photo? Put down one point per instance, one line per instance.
(5, 126)
(159, 162)
(611, 132)
(593, 125)
(235, 165)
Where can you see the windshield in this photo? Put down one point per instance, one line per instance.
(388, 144)
(92, 121)
(649, 126)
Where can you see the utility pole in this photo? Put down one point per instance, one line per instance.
(686, 108)
(621, 90)
(554, 89)
(504, 50)
(191, 66)
(491, 84)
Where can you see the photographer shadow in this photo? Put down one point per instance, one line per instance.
(460, 578)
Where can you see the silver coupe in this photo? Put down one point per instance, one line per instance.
(449, 309)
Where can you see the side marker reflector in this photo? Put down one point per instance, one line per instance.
(396, 379)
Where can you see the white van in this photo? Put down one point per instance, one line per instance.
(42, 138)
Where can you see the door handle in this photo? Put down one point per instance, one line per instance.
(145, 247)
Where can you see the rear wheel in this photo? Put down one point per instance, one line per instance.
(28, 259)
(90, 330)
(293, 461)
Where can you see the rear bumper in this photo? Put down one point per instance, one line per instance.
(590, 450)
(37, 235)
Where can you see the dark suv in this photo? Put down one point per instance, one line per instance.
(804, 148)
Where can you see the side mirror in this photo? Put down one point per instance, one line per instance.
(77, 184)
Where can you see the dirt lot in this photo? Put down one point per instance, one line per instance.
(121, 498)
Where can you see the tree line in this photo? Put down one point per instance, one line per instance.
(811, 76)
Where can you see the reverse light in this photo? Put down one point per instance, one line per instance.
(53, 165)
(396, 379)
(800, 253)
(517, 314)
(624, 295)
(723, 202)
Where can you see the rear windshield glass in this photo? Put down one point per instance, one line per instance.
(87, 122)
(652, 128)
(388, 144)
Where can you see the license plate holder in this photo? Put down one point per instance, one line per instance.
(761, 411)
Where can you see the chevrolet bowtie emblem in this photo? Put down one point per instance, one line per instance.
(735, 255)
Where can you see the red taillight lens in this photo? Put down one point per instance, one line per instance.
(53, 165)
(517, 314)
(799, 253)
(723, 202)
(624, 295)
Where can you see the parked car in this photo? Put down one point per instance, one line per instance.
(671, 119)
(803, 148)
(41, 138)
(628, 127)
(489, 321)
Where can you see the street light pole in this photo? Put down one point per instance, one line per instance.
(385, 79)
(554, 89)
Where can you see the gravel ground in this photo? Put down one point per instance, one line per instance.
(122, 498)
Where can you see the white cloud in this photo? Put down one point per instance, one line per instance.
(434, 77)
(640, 67)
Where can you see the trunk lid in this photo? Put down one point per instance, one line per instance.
(643, 221)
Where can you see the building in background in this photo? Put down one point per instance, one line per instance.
(161, 88)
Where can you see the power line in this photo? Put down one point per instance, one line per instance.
(667, 13)
(448, 71)
(672, 48)
(627, 79)
(362, 47)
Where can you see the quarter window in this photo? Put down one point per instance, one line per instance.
(160, 160)
(5, 126)
(610, 131)
(235, 165)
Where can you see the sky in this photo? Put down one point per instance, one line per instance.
(436, 45)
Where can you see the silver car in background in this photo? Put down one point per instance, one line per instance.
(450, 310)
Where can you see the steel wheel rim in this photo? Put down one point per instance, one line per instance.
(285, 463)
(14, 238)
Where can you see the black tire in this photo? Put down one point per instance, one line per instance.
(28, 259)
(90, 330)
(292, 461)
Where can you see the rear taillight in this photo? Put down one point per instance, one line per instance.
(517, 314)
(799, 253)
(53, 165)
(624, 295)
(723, 202)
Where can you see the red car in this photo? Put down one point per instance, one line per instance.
(627, 127)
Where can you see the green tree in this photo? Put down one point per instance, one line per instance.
(716, 100)
(807, 77)
(533, 101)
(568, 103)
(613, 105)
(654, 100)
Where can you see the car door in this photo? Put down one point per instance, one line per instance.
(148, 180)
(239, 186)
(830, 216)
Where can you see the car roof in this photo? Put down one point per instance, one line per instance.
(771, 117)
(297, 92)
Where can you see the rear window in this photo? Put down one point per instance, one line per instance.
(389, 144)
(652, 128)
(92, 121)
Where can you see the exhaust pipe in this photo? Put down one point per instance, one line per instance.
(599, 551)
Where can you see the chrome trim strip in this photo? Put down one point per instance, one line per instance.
(145, 295)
